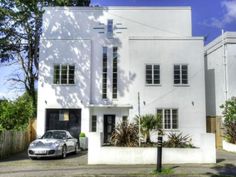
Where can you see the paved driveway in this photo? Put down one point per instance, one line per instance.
(76, 165)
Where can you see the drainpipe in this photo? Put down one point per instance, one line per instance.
(225, 66)
(139, 126)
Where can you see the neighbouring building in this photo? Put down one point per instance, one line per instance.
(95, 61)
(220, 63)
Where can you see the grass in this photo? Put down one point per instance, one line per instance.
(164, 171)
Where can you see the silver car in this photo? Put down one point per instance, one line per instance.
(53, 143)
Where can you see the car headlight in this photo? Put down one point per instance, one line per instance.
(56, 145)
(32, 145)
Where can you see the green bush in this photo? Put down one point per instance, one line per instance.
(15, 115)
(178, 141)
(229, 113)
(82, 135)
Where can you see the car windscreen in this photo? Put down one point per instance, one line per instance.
(54, 135)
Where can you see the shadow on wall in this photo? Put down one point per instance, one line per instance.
(210, 89)
(66, 40)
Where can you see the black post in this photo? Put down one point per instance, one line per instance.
(159, 153)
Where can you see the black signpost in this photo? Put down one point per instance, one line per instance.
(159, 154)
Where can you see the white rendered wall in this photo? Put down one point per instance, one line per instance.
(100, 112)
(77, 34)
(188, 99)
(128, 155)
(216, 84)
(64, 96)
(78, 22)
(229, 146)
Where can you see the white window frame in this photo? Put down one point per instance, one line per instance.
(67, 74)
(171, 118)
(153, 84)
(181, 82)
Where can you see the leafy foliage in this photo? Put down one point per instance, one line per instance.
(149, 122)
(229, 113)
(178, 141)
(82, 135)
(15, 115)
(125, 135)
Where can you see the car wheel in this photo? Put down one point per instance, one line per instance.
(63, 153)
(76, 149)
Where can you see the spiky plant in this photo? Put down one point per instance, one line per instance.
(178, 141)
(125, 135)
(149, 122)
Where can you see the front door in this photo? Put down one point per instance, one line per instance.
(109, 126)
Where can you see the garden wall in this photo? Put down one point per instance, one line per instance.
(229, 146)
(97, 154)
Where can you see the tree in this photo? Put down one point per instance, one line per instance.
(229, 113)
(20, 29)
(149, 122)
(15, 115)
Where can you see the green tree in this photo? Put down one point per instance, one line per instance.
(149, 122)
(15, 115)
(20, 29)
(229, 114)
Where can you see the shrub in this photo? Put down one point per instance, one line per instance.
(229, 114)
(178, 141)
(82, 135)
(125, 135)
(149, 122)
(15, 115)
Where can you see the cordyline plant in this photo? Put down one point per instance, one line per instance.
(229, 114)
(125, 135)
(178, 141)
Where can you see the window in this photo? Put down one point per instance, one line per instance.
(104, 73)
(94, 123)
(114, 81)
(169, 118)
(109, 28)
(63, 115)
(152, 74)
(180, 74)
(64, 74)
(125, 119)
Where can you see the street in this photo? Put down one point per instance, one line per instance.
(76, 165)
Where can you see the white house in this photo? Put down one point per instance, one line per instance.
(220, 59)
(95, 60)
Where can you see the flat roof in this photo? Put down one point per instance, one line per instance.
(165, 38)
(122, 8)
(227, 38)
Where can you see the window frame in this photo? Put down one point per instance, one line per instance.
(181, 79)
(114, 95)
(171, 118)
(104, 94)
(110, 29)
(152, 84)
(92, 125)
(67, 74)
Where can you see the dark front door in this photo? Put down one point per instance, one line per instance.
(109, 126)
(64, 119)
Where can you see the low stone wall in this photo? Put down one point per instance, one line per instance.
(125, 155)
(229, 146)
